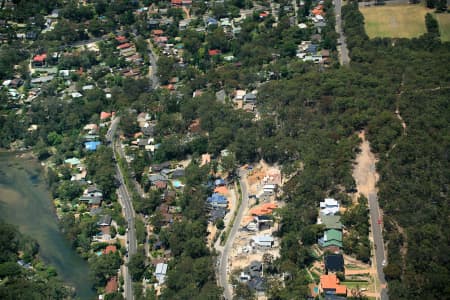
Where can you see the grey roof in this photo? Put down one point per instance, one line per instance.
(157, 177)
(105, 220)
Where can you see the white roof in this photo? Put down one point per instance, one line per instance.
(161, 269)
(331, 202)
(263, 239)
(270, 186)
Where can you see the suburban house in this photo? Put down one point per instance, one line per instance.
(270, 189)
(334, 263)
(331, 237)
(92, 145)
(104, 221)
(330, 221)
(40, 60)
(329, 206)
(329, 285)
(217, 200)
(159, 167)
(264, 209)
(109, 249)
(160, 272)
(263, 241)
(92, 196)
(154, 178)
(112, 285)
(177, 173)
(72, 162)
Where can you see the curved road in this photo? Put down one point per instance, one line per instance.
(127, 206)
(223, 258)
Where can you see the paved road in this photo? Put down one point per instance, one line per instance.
(377, 232)
(127, 206)
(153, 59)
(223, 258)
(344, 59)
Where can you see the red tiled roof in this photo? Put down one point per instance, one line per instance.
(331, 281)
(124, 46)
(214, 52)
(121, 39)
(161, 184)
(157, 31)
(110, 249)
(104, 115)
(112, 285)
(40, 57)
(175, 2)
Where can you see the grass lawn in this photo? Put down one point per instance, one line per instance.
(405, 21)
(354, 284)
(444, 26)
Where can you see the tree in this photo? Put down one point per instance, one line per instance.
(431, 24)
(136, 266)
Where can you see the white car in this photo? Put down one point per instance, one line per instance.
(384, 263)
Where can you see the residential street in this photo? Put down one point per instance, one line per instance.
(344, 59)
(223, 257)
(127, 206)
(153, 69)
(366, 178)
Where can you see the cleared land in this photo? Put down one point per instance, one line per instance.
(444, 26)
(403, 21)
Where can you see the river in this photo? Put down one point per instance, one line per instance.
(26, 203)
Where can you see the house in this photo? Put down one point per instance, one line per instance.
(121, 39)
(329, 285)
(250, 98)
(39, 60)
(206, 159)
(112, 285)
(92, 196)
(177, 173)
(270, 189)
(263, 241)
(161, 185)
(154, 178)
(91, 128)
(329, 206)
(257, 284)
(160, 272)
(211, 22)
(105, 220)
(124, 46)
(41, 80)
(264, 209)
(330, 221)
(105, 115)
(159, 167)
(214, 52)
(331, 237)
(109, 249)
(72, 162)
(217, 213)
(176, 3)
(219, 182)
(334, 263)
(217, 200)
(92, 146)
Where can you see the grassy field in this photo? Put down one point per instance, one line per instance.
(444, 26)
(401, 21)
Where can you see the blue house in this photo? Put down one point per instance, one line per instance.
(217, 200)
(92, 146)
(219, 182)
